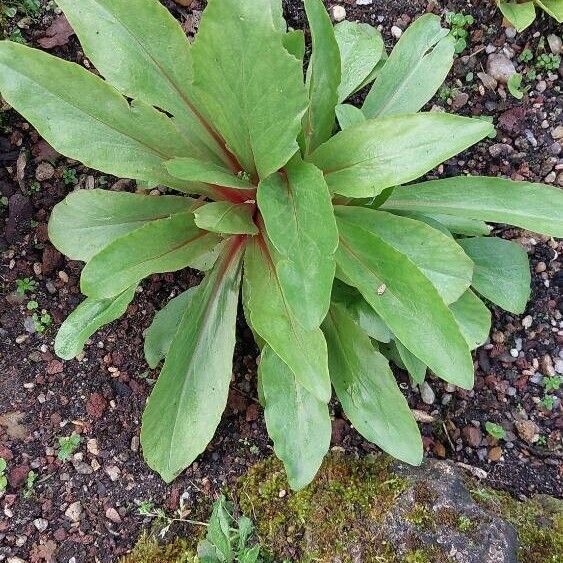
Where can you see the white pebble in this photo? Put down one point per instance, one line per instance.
(396, 32)
(338, 13)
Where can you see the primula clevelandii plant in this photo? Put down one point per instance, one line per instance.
(304, 205)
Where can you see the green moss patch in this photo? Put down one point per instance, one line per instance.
(328, 518)
(538, 522)
(148, 550)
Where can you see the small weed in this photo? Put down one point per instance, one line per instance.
(68, 445)
(526, 56)
(3, 201)
(495, 430)
(42, 320)
(29, 485)
(548, 61)
(25, 285)
(25, 7)
(514, 85)
(35, 186)
(446, 93)
(459, 23)
(16, 36)
(32, 305)
(3, 478)
(464, 523)
(548, 402)
(552, 383)
(542, 441)
(69, 177)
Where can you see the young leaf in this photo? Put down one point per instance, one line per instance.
(294, 42)
(416, 68)
(415, 368)
(163, 329)
(87, 221)
(86, 319)
(368, 391)
(165, 245)
(364, 160)
(71, 108)
(514, 85)
(299, 220)
(348, 116)
(520, 14)
(361, 47)
(124, 41)
(304, 351)
(323, 77)
(406, 301)
(473, 317)
(298, 423)
(226, 218)
(190, 394)
(253, 90)
(502, 271)
(438, 256)
(536, 207)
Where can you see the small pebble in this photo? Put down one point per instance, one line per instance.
(338, 13)
(396, 32)
(427, 394)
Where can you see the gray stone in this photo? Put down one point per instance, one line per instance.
(500, 67)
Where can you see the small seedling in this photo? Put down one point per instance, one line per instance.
(32, 305)
(3, 201)
(542, 441)
(548, 61)
(446, 93)
(17, 36)
(35, 186)
(459, 23)
(495, 430)
(3, 478)
(548, 402)
(29, 486)
(526, 56)
(42, 321)
(69, 177)
(552, 383)
(68, 445)
(25, 285)
(464, 523)
(514, 86)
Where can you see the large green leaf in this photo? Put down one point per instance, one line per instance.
(300, 223)
(473, 317)
(415, 368)
(361, 47)
(163, 329)
(323, 77)
(406, 300)
(216, 177)
(537, 207)
(248, 83)
(165, 245)
(298, 423)
(368, 391)
(86, 221)
(416, 68)
(502, 271)
(294, 42)
(269, 315)
(226, 218)
(553, 7)
(380, 153)
(190, 394)
(438, 256)
(520, 14)
(84, 118)
(124, 41)
(86, 319)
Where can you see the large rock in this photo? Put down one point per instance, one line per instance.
(379, 510)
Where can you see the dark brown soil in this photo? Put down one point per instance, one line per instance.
(101, 396)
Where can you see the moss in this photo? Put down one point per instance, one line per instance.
(148, 550)
(427, 555)
(422, 517)
(538, 522)
(326, 519)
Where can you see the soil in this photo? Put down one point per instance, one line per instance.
(101, 395)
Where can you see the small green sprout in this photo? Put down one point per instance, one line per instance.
(29, 486)
(464, 523)
(548, 61)
(495, 430)
(459, 23)
(526, 56)
(552, 383)
(16, 36)
(68, 445)
(32, 305)
(25, 285)
(42, 321)
(548, 402)
(3, 201)
(514, 86)
(69, 177)
(35, 186)
(3, 478)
